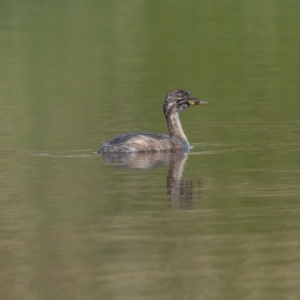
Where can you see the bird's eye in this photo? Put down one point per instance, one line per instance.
(184, 106)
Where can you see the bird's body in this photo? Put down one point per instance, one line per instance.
(145, 142)
(175, 101)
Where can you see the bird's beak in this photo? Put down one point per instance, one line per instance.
(196, 101)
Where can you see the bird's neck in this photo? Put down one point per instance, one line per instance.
(175, 129)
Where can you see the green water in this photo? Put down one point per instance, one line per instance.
(76, 73)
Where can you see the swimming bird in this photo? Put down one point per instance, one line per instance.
(175, 101)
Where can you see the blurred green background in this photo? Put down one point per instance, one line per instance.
(76, 73)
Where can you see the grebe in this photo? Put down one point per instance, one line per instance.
(175, 101)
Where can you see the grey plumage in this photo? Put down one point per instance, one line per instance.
(175, 101)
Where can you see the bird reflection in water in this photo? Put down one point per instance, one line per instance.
(180, 191)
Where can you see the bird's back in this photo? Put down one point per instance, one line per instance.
(143, 142)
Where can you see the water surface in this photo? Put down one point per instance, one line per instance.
(219, 223)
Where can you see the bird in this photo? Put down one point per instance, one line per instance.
(175, 101)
